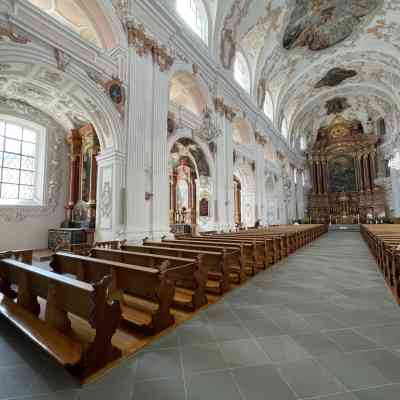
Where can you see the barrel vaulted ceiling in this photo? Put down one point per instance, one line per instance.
(306, 53)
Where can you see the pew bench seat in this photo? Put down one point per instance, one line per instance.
(65, 350)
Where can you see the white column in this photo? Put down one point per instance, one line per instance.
(221, 178)
(260, 184)
(110, 216)
(230, 195)
(395, 179)
(139, 132)
(160, 189)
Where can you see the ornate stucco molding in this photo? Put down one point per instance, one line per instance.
(56, 156)
(143, 44)
(9, 32)
(223, 109)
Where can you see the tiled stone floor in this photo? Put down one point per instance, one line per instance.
(319, 325)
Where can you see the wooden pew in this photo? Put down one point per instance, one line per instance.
(256, 251)
(24, 256)
(64, 296)
(274, 246)
(189, 274)
(384, 243)
(249, 250)
(216, 262)
(233, 257)
(145, 294)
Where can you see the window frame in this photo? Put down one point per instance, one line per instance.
(202, 15)
(241, 84)
(268, 98)
(40, 180)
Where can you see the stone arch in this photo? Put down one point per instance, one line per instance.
(98, 17)
(242, 132)
(187, 90)
(95, 103)
(244, 173)
(205, 182)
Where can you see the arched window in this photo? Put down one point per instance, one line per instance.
(303, 143)
(285, 129)
(241, 71)
(269, 106)
(22, 161)
(381, 127)
(194, 14)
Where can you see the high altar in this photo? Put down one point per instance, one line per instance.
(343, 168)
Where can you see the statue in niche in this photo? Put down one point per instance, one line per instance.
(336, 105)
(335, 77)
(320, 24)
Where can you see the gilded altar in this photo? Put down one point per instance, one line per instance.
(343, 169)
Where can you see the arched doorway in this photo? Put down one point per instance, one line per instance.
(190, 186)
(244, 173)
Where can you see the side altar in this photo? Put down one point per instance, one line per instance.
(343, 169)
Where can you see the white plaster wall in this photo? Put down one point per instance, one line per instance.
(31, 233)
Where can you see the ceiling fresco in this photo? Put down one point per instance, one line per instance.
(307, 52)
(319, 24)
(335, 76)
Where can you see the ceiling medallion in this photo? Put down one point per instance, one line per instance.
(335, 77)
(336, 105)
(208, 130)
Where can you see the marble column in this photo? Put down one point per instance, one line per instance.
(221, 192)
(230, 198)
(319, 177)
(372, 164)
(395, 179)
(160, 206)
(111, 200)
(139, 122)
(260, 183)
(366, 172)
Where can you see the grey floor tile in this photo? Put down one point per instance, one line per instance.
(341, 396)
(262, 327)
(195, 334)
(230, 330)
(381, 393)
(353, 370)
(248, 313)
(169, 340)
(317, 343)
(220, 313)
(290, 322)
(63, 395)
(107, 392)
(243, 353)
(323, 322)
(202, 358)
(309, 379)
(386, 362)
(159, 364)
(386, 335)
(160, 389)
(261, 383)
(350, 340)
(212, 386)
(282, 349)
